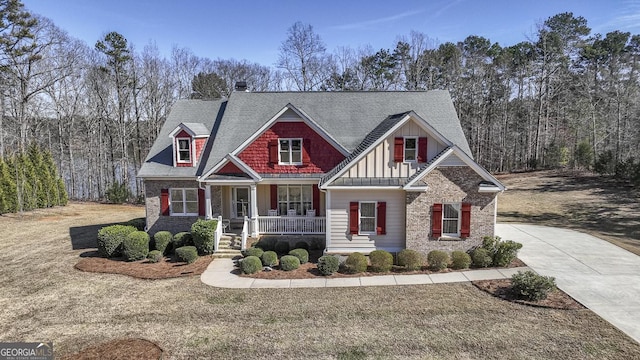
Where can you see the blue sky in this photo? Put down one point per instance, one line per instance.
(254, 29)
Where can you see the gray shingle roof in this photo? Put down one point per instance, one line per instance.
(350, 117)
(199, 129)
(159, 161)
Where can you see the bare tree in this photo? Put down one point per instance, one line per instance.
(303, 57)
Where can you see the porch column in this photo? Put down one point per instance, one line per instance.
(254, 210)
(207, 202)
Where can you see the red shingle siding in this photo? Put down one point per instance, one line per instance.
(199, 147)
(230, 168)
(322, 155)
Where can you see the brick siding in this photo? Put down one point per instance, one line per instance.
(446, 185)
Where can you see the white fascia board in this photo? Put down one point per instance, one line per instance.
(284, 181)
(429, 168)
(227, 182)
(181, 126)
(489, 189)
(417, 189)
(244, 167)
(367, 151)
(467, 160)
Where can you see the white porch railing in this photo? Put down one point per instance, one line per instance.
(244, 233)
(291, 224)
(218, 233)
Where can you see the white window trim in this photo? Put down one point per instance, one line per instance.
(184, 202)
(404, 149)
(289, 202)
(375, 219)
(178, 160)
(290, 140)
(452, 235)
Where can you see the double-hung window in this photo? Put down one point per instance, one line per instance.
(451, 220)
(290, 151)
(184, 202)
(294, 197)
(184, 150)
(367, 217)
(410, 149)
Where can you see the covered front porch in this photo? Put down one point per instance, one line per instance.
(273, 208)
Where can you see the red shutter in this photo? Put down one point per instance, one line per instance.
(201, 202)
(353, 218)
(273, 152)
(436, 221)
(306, 150)
(164, 201)
(316, 199)
(398, 149)
(381, 226)
(465, 227)
(274, 197)
(422, 149)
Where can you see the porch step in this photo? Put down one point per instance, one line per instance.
(226, 253)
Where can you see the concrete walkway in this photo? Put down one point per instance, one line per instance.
(600, 275)
(219, 274)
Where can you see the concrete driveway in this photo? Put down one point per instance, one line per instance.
(600, 275)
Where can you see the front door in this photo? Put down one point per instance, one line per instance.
(241, 206)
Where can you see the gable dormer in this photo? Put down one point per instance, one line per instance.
(188, 141)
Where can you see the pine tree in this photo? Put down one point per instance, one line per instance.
(55, 184)
(8, 195)
(40, 179)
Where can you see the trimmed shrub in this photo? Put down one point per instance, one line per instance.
(110, 239)
(480, 257)
(187, 254)
(381, 261)
(438, 260)
(302, 245)
(203, 233)
(328, 264)
(410, 259)
(531, 286)
(460, 260)
(289, 262)
(154, 256)
(490, 243)
(356, 263)
(281, 247)
(161, 240)
(301, 254)
(138, 223)
(506, 252)
(182, 239)
(269, 258)
(250, 265)
(135, 246)
(252, 251)
(266, 243)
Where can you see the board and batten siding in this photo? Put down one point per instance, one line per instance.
(379, 162)
(339, 239)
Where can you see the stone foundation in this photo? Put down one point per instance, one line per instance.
(448, 185)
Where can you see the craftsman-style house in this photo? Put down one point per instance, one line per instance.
(365, 170)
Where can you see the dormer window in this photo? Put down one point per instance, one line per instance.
(184, 150)
(290, 151)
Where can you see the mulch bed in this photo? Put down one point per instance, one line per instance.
(143, 269)
(557, 299)
(120, 350)
(310, 271)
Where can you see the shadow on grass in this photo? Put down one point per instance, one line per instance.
(86, 237)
